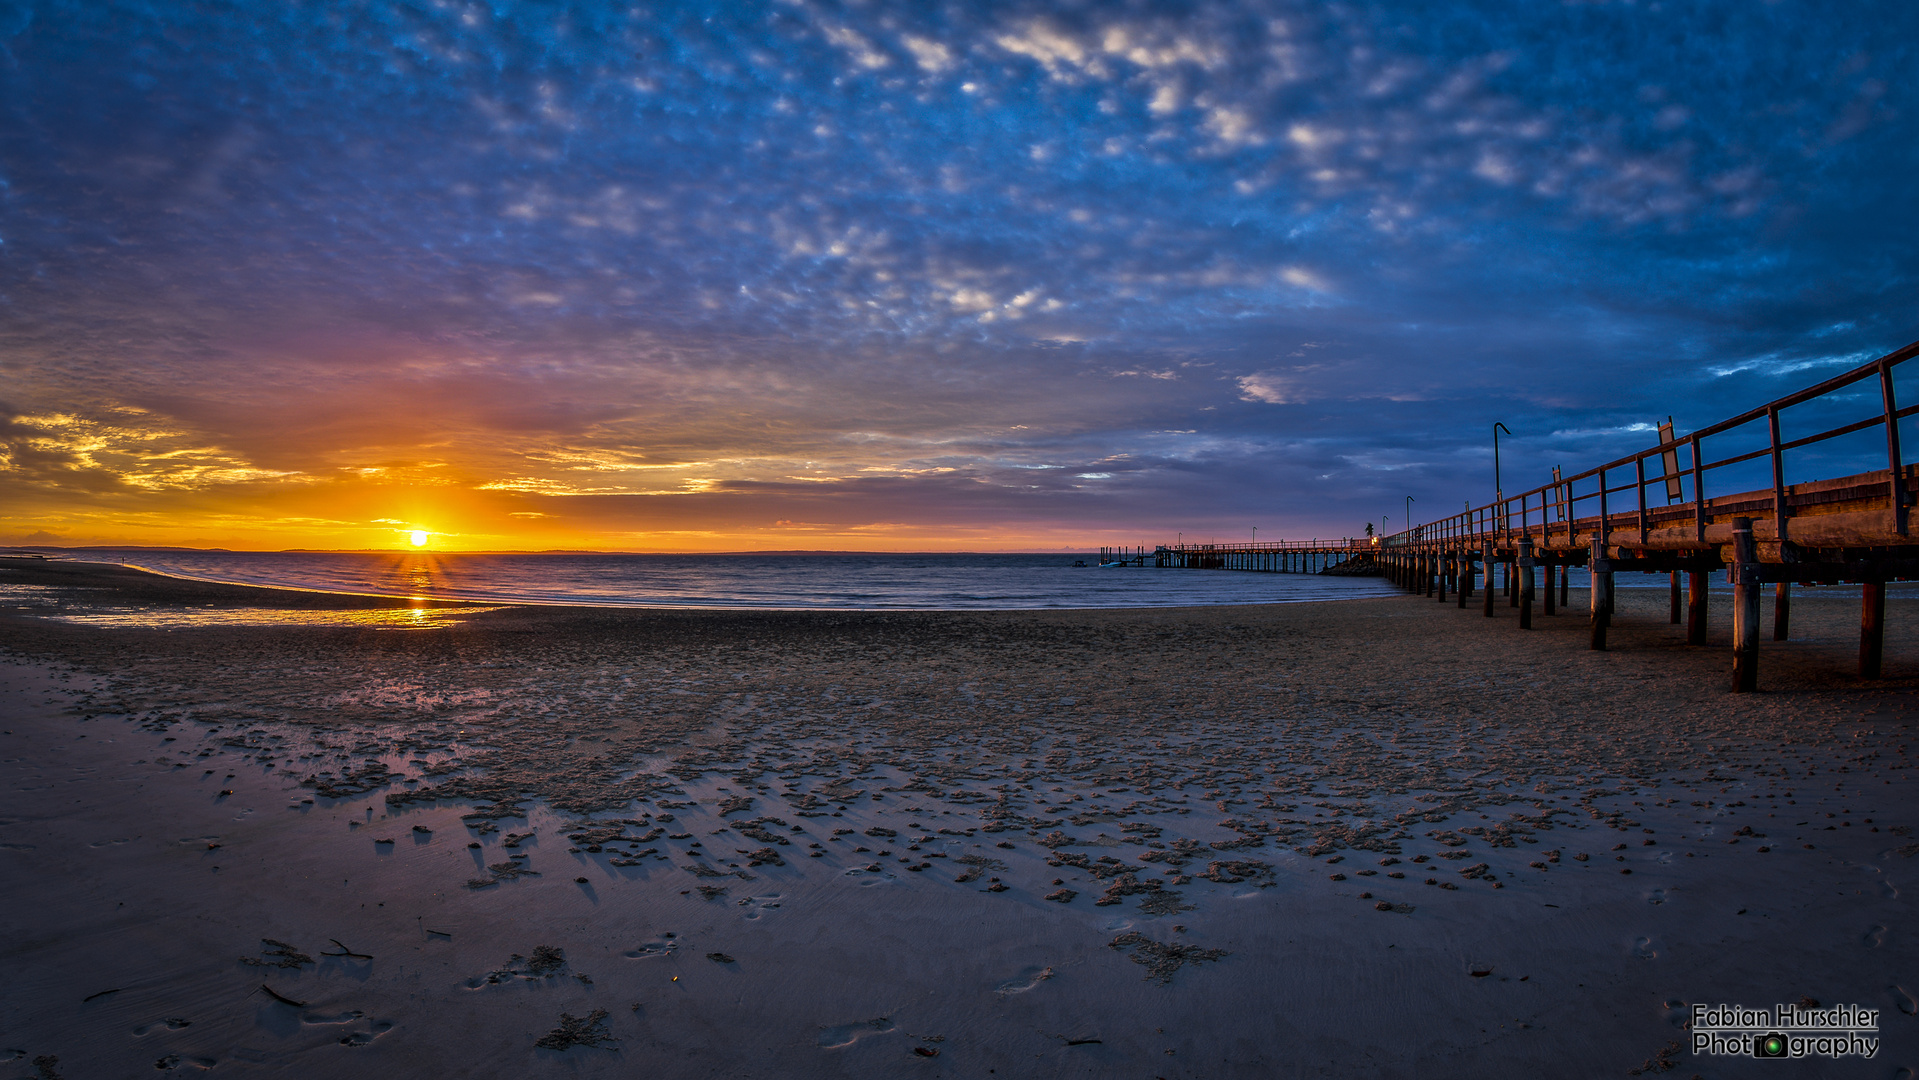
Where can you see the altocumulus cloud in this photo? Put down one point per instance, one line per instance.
(905, 272)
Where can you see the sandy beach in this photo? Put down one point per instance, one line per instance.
(293, 834)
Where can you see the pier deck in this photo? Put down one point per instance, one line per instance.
(1655, 511)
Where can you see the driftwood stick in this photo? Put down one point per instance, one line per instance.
(345, 951)
(282, 999)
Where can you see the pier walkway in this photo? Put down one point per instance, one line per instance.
(1273, 557)
(1676, 509)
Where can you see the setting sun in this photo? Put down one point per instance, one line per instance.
(418, 538)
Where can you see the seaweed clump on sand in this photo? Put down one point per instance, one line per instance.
(546, 960)
(588, 1030)
(278, 955)
(1161, 959)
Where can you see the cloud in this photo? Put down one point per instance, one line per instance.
(931, 56)
(1272, 389)
(543, 265)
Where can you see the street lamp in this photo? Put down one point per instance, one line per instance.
(1255, 534)
(1409, 511)
(1498, 492)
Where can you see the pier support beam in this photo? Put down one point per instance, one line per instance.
(1696, 607)
(1745, 608)
(1524, 563)
(1550, 610)
(1781, 610)
(1601, 572)
(1565, 582)
(1872, 628)
(1487, 560)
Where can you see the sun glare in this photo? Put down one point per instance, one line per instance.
(418, 538)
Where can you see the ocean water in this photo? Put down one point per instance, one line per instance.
(822, 582)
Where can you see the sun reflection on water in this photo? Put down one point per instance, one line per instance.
(411, 618)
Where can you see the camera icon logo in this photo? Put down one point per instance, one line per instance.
(1770, 1045)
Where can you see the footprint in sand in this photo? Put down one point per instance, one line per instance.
(363, 1038)
(833, 1038)
(1656, 897)
(1646, 948)
(175, 1061)
(171, 1024)
(1904, 1000)
(758, 905)
(663, 947)
(1024, 981)
(1875, 937)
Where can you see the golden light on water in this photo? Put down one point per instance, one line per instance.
(418, 538)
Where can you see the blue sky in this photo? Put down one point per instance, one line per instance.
(909, 276)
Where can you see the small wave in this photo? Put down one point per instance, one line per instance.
(768, 582)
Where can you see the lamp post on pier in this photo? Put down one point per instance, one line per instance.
(1409, 511)
(1498, 492)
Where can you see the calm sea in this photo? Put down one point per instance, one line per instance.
(825, 581)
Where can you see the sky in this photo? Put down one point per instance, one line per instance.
(894, 276)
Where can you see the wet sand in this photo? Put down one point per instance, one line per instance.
(1366, 838)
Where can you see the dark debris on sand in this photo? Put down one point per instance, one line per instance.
(278, 955)
(1161, 959)
(588, 1030)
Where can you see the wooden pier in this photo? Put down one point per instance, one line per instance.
(1656, 511)
(1272, 557)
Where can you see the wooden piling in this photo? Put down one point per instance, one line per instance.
(1745, 608)
(1872, 628)
(1601, 573)
(1781, 611)
(1696, 607)
(1548, 597)
(1565, 581)
(1524, 563)
(1488, 561)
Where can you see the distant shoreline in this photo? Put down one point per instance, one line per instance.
(147, 585)
(880, 582)
(789, 552)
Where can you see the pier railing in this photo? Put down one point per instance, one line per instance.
(1837, 528)
(1667, 502)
